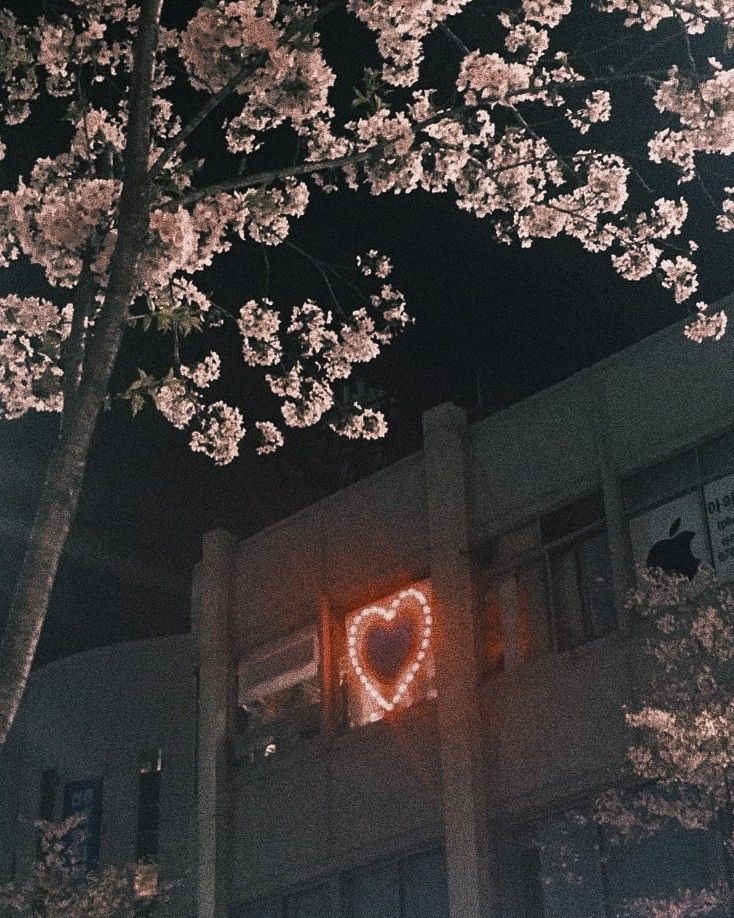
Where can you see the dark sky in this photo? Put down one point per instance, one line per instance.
(493, 325)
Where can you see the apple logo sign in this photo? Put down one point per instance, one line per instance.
(673, 555)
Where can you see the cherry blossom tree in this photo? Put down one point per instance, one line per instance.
(493, 107)
(59, 884)
(682, 759)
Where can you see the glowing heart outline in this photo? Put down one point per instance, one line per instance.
(388, 614)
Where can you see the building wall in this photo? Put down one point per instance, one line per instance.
(362, 823)
(93, 716)
(552, 727)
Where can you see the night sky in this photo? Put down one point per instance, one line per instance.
(493, 325)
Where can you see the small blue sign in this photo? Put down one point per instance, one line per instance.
(85, 798)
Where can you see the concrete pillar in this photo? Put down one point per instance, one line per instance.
(210, 621)
(470, 859)
(619, 544)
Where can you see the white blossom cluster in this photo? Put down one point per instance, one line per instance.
(487, 147)
(31, 334)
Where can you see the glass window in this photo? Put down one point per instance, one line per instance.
(652, 485)
(263, 908)
(717, 457)
(530, 883)
(373, 893)
(149, 792)
(671, 537)
(280, 695)
(46, 802)
(425, 894)
(309, 903)
(516, 617)
(571, 565)
(569, 868)
(659, 865)
(583, 596)
(571, 518)
(388, 661)
(85, 799)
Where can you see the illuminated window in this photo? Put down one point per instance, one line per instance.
(280, 694)
(388, 664)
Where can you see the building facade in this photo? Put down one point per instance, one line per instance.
(394, 703)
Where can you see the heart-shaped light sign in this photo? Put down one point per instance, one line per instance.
(388, 645)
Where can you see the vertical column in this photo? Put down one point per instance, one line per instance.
(619, 546)
(470, 859)
(210, 614)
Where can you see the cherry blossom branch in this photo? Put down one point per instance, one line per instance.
(319, 267)
(273, 175)
(247, 70)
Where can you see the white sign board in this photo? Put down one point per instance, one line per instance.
(720, 512)
(672, 536)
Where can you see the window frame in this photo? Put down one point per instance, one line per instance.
(249, 750)
(494, 574)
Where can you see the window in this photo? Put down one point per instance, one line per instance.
(413, 887)
(314, 902)
(583, 597)
(146, 844)
(515, 623)
(388, 662)
(551, 586)
(149, 792)
(564, 872)
(681, 511)
(85, 798)
(280, 695)
(662, 864)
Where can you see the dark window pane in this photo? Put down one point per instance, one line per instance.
(650, 486)
(85, 798)
(310, 903)
(571, 518)
(263, 908)
(424, 886)
(149, 792)
(373, 893)
(582, 592)
(596, 585)
(47, 801)
(531, 885)
(532, 610)
(717, 457)
(567, 604)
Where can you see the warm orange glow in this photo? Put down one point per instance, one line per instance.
(145, 880)
(388, 645)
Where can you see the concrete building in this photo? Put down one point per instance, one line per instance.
(391, 700)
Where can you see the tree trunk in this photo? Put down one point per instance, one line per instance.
(66, 469)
